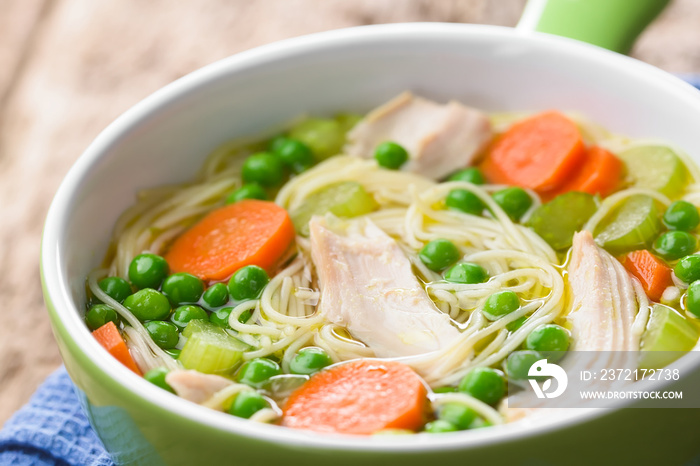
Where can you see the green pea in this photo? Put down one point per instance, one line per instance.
(182, 287)
(220, 317)
(390, 155)
(500, 303)
(247, 403)
(688, 268)
(439, 254)
(148, 304)
(692, 300)
(116, 288)
(163, 334)
(550, 340)
(485, 384)
(470, 175)
(184, 314)
(457, 414)
(682, 215)
(464, 201)
(440, 426)
(516, 324)
(295, 154)
(674, 245)
(325, 137)
(100, 314)
(247, 283)
(514, 202)
(173, 352)
(263, 168)
(216, 295)
(247, 191)
(276, 143)
(148, 271)
(518, 363)
(467, 273)
(258, 371)
(309, 360)
(157, 377)
(245, 316)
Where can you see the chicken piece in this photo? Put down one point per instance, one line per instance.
(604, 301)
(368, 287)
(440, 139)
(603, 310)
(195, 386)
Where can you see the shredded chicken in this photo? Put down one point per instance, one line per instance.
(195, 386)
(368, 287)
(603, 310)
(604, 301)
(440, 139)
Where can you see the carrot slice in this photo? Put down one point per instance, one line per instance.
(599, 174)
(539, 153)
(360, 397)
(249, 232)
(651, 271)
(108, 336)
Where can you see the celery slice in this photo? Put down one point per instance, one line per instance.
(198, 325)
(632, 225)
(344, 199)
(347, 121)
(655, 167)
(325, 137)
(210, 349)
(558, 220)
(667, 335)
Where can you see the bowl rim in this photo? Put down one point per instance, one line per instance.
(64, 313)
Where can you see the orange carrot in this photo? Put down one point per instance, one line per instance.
(108, 336)
(360, 397)
(651, 271)
(540, 153)
(599, 174)
(249, 232)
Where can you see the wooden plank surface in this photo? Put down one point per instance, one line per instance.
(69, 67)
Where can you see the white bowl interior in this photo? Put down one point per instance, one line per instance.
(165, 138)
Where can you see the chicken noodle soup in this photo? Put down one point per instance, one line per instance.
(390, 273)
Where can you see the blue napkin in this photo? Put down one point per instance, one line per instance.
(52, 429)
(693, 79)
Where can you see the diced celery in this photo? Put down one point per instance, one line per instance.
(558, 220)
(325, 137)
(632, 225)
(198, 325)
(668, 334)
(344, 199)
(210, 349)
(655, 167)
(348, 120)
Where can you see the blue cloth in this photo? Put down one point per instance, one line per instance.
(53, 430)
(693, 79)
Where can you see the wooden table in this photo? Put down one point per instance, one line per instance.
(69, 67)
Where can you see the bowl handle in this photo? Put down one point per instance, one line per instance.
(612, 24)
